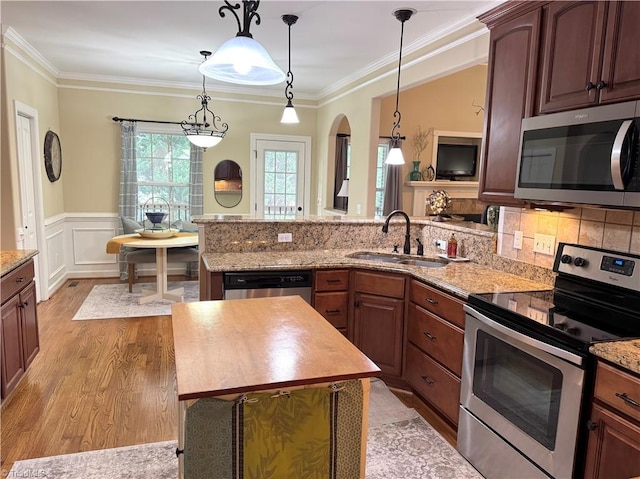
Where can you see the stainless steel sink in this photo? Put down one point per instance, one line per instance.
(427, 263)
(397, 259)
(387, 258)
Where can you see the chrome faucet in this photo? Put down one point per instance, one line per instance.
(407, 235)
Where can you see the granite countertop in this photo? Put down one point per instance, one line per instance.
(625, 354)
(11, 259)
(457, 278)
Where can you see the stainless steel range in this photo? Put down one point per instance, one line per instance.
(527, 372)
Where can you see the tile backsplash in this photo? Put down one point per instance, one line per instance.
(610, 229)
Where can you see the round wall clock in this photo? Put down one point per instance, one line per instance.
(52, 156)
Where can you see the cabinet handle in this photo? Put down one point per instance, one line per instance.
(628, 400)
(592, 425)
(428, 380)
(601, 85)
(357, 304)
(20, 279)
(590, 86)
(334, 281)
(429, 300)
(430, 336)
(332, 311)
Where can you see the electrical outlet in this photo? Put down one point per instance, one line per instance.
(544, 244)
(358, 209)
(517, 240)
(441, 244)
(285, 237)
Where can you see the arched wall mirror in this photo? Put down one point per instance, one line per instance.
(228, 183)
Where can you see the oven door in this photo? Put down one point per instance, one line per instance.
(526, 392)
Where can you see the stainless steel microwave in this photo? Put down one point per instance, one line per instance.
(589, 156)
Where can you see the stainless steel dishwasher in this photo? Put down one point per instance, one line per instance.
(259, 284)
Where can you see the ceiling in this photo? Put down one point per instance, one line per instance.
(158, 42)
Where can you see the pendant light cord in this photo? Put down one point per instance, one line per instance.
(403, 16)
(289, 20)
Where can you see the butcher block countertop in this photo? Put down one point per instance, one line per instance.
(246, 345)
(11, 259)
(625, 354)
(457, 278)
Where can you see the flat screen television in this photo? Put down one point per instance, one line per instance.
(456, 161)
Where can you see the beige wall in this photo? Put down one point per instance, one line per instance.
(362, 107)
(20, 82)
(442, 104)
(94, 154)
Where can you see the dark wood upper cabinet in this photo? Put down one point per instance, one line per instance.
(511, 78)
(546, 57)
(621, 63)
(590, 54)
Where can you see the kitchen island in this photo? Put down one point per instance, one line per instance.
(234, 357)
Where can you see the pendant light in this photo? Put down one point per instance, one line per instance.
(289, 114)
(202, 133)
(241, 59)
(395, 153)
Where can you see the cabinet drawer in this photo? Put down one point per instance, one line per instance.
(379, 284)
(433, 382)
(618, 389)
(439, 339)
(437, 302)
(332, 280)
(17, 279)
(334, 307)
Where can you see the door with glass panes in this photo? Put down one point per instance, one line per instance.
(281, 179)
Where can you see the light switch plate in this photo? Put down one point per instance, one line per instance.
(285, 237)
(544, 244)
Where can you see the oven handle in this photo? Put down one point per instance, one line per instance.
(558, 352)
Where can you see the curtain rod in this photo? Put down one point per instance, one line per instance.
(115, 118)
(347, 135)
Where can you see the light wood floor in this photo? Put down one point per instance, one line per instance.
(100, 384)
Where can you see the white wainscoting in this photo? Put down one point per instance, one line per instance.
(76, 248)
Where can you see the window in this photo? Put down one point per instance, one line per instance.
(381, 176)
(163, 165)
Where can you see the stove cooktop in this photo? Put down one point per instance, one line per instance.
(550, 314)
(596, 298)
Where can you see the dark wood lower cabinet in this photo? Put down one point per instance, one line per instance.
(378, 326)
(614, 446)
(20, 341)
(433, 382)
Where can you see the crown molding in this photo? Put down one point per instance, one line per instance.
(26, 47)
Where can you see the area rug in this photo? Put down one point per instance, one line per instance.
(404, 449)
(114, 301)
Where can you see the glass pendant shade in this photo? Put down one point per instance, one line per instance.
(395, 156)
(243, 61)
(203, 140)
(289, 114)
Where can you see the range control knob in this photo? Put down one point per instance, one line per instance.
(565, 258)
(579, 262)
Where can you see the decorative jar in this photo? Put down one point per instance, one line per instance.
(416, 174)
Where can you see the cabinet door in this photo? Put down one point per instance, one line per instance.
(613, 450)
(621, 63)
(378, 326)
(30, 337)
(511, 77)
(13, 366)
(571, 65)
